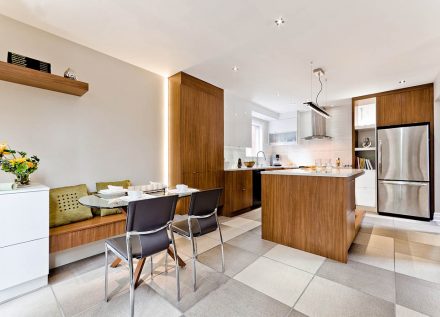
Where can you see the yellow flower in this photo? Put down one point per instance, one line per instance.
(3, 147)
(30, 164)
(12, 162)
(20, 160)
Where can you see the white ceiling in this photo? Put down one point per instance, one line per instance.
(365, 46)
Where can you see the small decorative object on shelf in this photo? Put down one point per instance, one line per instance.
(28, 62)
(366, 142)
(239, 163)
(17, 163)
(338, 162)
(70, 73)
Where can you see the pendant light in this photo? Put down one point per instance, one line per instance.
(319, 72)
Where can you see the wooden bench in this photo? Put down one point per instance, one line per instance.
(86, 231)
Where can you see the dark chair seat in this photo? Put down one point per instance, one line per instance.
(199, 226)
(156, 243)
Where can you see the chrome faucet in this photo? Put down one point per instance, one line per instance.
(264, 156)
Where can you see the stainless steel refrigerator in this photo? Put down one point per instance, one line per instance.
(403, 171)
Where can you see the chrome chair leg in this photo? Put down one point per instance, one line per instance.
(221, 244)
(177, 265)
(106, 274)
(194, 263)
(166, 261)
(151, 266)
(195, 244)
(130, 267)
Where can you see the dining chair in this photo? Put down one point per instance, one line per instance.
(148, 223)
(202, 219)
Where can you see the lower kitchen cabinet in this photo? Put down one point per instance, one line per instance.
(238, 191)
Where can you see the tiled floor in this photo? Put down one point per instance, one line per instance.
(393, 270)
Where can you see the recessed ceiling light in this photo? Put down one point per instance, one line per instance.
(235, 68)
(280, 21)
(403, 81)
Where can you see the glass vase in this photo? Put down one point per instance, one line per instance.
(22, 179)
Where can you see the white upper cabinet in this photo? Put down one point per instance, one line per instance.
(238, 122)
(283, 125)
(365, 113)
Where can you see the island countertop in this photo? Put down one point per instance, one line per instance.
(335, 172)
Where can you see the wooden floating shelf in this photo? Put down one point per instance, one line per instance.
(358, 149)
(34, 78)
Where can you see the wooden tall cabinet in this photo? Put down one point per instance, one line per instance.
(196, 132)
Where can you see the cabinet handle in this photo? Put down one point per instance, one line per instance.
(243, 189)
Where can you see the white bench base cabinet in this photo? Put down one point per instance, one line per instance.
(24, 240)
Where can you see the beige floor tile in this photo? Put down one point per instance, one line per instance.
(365, 278)
(236, 299)
(418, 295)
(277, 280)
(402, 311)
(252, 215)
(204, 243)
(418, 249)
(375, 241)
(418, 267)
(228, 233)
(414, 225)
(83, 292)
(242, 223)
(326, 298)
(378, 229)
(301, 260)
(236, 259)
(372, 256)
(420, 237)
(208, 280)
(253, 243)
(39, 303)
(147, 303)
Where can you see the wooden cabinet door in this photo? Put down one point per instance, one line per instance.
(418, 106)
(213, 115)
(389, 109)
(192, 132)
(238, 191)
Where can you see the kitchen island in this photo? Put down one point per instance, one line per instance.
(311, 211)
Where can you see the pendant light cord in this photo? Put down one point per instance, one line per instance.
(319, 78)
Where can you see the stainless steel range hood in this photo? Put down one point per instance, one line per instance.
(312, 126)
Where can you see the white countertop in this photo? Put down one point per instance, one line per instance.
(33, 187)
(255, 167)
(335, 172)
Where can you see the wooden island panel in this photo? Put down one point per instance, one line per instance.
(314, 214)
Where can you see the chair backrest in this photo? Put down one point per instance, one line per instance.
(204, 202)
(150, 214)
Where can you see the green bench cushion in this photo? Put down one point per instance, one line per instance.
(64, 207)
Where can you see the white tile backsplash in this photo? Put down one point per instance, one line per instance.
(306, 152)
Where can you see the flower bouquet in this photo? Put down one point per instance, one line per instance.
(17, 163)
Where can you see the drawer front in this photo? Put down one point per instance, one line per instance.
(24, 262)
(25, 217)
(405, 198)
(368, 180)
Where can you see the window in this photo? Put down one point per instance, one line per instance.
(257, 140)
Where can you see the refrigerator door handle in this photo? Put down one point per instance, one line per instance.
(404, 183)
(379, 156)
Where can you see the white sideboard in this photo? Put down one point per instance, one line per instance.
(24, 240)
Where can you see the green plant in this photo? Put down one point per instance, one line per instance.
(17, 163)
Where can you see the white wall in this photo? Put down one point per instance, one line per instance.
(238, 127)
(437, 146)
(306, 152)
(115, 131)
